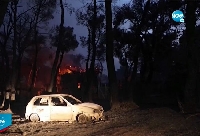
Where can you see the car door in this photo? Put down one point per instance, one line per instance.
(60, 110)
(41, 107)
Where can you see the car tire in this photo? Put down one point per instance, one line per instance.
(34, 117)
(82, 118)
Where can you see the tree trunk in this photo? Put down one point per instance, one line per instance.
(12, 77)
(91, 74)
(55, 64)
(58, 67)
(7, 62)
(61, 59)
(19, 59)
(18, 82)
(191, 83)
(2, 80)
(87, 66)
(14, 61)
(113, 88)
(126, 82)
(4, 6)
(138, 41)
(34, 69)
(7, 73)
(54, 71)
(34, 66)
(89, 50)
(133, 92)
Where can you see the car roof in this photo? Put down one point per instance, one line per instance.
(48, 95)
(54, 95)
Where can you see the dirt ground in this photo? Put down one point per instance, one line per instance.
(121, 122)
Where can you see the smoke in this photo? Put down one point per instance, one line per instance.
(72, 60)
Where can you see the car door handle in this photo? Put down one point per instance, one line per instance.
(40, 109)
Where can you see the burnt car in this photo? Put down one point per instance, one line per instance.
(62, 107)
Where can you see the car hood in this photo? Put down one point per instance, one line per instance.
(90, 105)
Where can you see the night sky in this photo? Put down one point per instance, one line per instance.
(70, 20)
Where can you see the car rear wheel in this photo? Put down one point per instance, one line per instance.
(82, 118)
(34, 117)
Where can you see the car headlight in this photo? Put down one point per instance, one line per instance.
(97, 111)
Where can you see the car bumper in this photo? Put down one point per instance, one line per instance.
(97, 116)
(26, 116)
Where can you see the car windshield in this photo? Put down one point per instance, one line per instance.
(72, 100)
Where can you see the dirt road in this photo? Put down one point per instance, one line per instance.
(149, 122)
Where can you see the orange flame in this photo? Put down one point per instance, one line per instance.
(65, 71)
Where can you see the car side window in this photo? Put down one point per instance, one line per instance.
(56, 101)
(41, 102)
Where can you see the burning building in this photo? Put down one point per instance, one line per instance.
(72, 80)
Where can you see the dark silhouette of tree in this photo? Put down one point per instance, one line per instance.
(64, 40)
(192, 60)
(54, 67)
(146, 46)
(12, 82)
(4, 5)
(138, 19)
(20, 32)
(42, 13)
(4, 43)
(24, 37)
(109, 55)
(69, 42)
(93, 19)
(91, 71)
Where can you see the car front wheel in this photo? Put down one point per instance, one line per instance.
(82, 118)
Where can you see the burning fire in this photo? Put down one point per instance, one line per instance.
(71, 69)
(65, 71)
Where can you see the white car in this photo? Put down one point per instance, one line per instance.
(62, 107)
